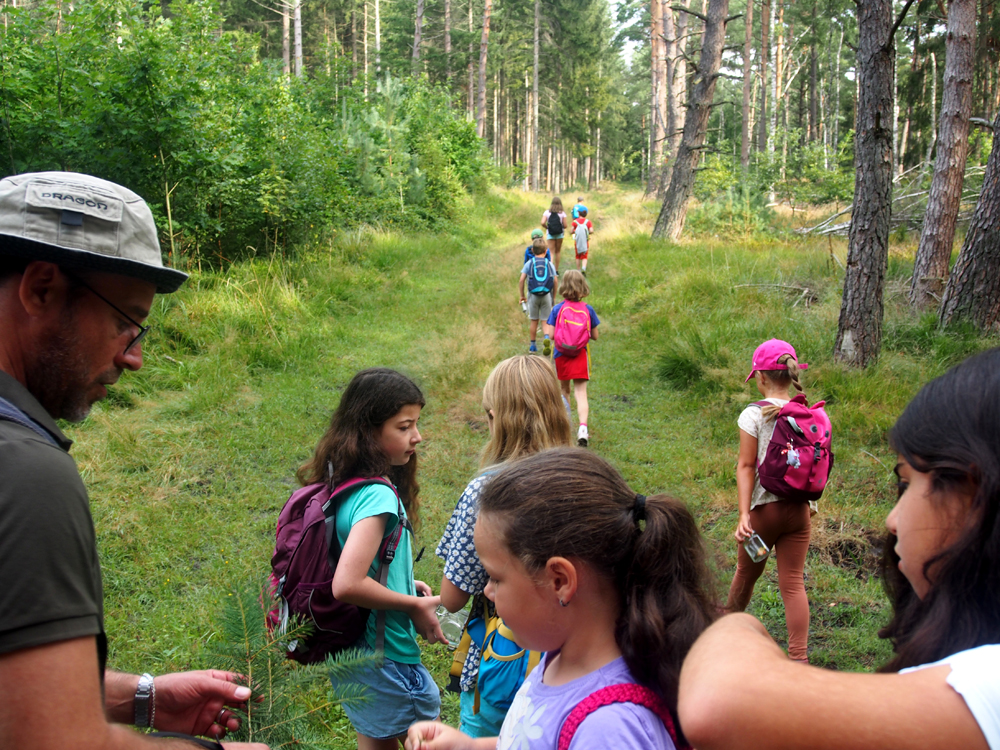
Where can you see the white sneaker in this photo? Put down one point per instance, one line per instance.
(582, 436)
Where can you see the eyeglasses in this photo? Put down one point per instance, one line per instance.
(143, 330)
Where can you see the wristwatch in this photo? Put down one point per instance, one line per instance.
(145, 695)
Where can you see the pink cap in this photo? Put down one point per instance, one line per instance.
(767, 354)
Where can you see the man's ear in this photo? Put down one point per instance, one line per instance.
(564, 577)
(43, 288)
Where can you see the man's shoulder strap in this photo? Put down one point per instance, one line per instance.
(11, 413)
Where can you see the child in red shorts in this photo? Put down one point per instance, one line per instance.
(573, 287)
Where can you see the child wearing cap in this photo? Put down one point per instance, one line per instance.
(582, 229)
(536, 234)
(783, 525)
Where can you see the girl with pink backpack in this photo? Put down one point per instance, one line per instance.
(784, 462)
(572, 324)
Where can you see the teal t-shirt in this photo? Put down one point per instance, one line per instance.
(400, 635)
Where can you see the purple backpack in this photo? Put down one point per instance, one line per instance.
(798, 460)
(301, 580)
(624, 693)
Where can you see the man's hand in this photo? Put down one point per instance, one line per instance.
(199, 702)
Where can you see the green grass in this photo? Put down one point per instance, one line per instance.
(191, 459)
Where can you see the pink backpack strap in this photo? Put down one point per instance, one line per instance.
(627, 692)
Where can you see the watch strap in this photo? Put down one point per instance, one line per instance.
(145, 695)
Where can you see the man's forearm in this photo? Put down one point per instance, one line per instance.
(119, 696)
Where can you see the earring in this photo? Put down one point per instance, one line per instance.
(563, 604)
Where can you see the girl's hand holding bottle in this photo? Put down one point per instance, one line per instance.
(743, 529)
(423, 612)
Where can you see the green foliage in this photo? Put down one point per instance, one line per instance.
(274, 714)
(234, 159)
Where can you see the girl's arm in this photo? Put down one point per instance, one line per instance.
(746, 475)
(739, 691)
(351, 583)
(452, 597)
(433, 735)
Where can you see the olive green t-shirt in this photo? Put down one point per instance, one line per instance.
(50, 574)
(374, 500)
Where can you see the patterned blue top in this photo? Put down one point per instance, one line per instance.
(461, 563)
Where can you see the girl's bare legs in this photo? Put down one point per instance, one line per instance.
(580, 393)
(556, 248)
(370, 743)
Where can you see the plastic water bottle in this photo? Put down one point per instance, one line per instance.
(524, 307)
(452, 625)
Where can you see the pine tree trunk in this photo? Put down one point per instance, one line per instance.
(286, 38)
(472, 78)
(973, 291)
(657, 105)
(776, 98)
(859, 330)
(813, 84)
(670, 58)
(930, 269)
(298, 38)
(418, 26)
(670, 222)
(378, 39)
(366, 48)
(535, 167)
(481, 93)
(680, 78)
(933, 140)
(765, 48)
(447, 42)
(747, 87)
(354, 40)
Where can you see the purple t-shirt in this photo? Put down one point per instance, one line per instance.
(539, 710)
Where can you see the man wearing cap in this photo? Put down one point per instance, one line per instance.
(79, 267)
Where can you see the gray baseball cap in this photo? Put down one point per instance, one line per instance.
(84, 222)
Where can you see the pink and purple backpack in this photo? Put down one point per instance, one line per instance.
(799, 459)
(306, 554)
(627, 692)
(572, 329)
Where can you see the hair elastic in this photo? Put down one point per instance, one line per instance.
(639, 508)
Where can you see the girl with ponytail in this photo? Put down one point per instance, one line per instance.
(782, 525)
(611, 584)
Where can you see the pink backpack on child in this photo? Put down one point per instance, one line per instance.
(572, 329)
(798, 460)
(627, 692)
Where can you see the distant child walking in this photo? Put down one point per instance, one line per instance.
(582, 229)
(540, 276)
(536, 234)
(572, 324)
(525, 414)
(782, 524)
(612, 585)
(554, 223)
(373, 433)
(577, 207)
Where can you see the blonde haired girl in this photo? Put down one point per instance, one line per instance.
(526, 415)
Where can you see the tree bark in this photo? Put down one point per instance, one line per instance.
(535, 170)
(930, 269)
(765, 49)
(447, 41)
(354, 40)
(657, 93)
(378, 39)
(973, 291)
(670, 222)
(286, 39)
(859, 330)
(679, 83)
(747, 88)
(813, 82)
(481, 94)
(298, 38)
(418, 26)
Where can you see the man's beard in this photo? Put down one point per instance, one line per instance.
(60, 376)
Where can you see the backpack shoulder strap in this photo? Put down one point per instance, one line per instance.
(10, 413)
(623, 693)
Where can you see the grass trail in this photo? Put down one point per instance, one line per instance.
(190, 461)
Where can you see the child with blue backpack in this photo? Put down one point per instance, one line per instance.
(781, 521)
(540, 276)
(614, 588)
(525, 415)
(529, 251)
(373, 433)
